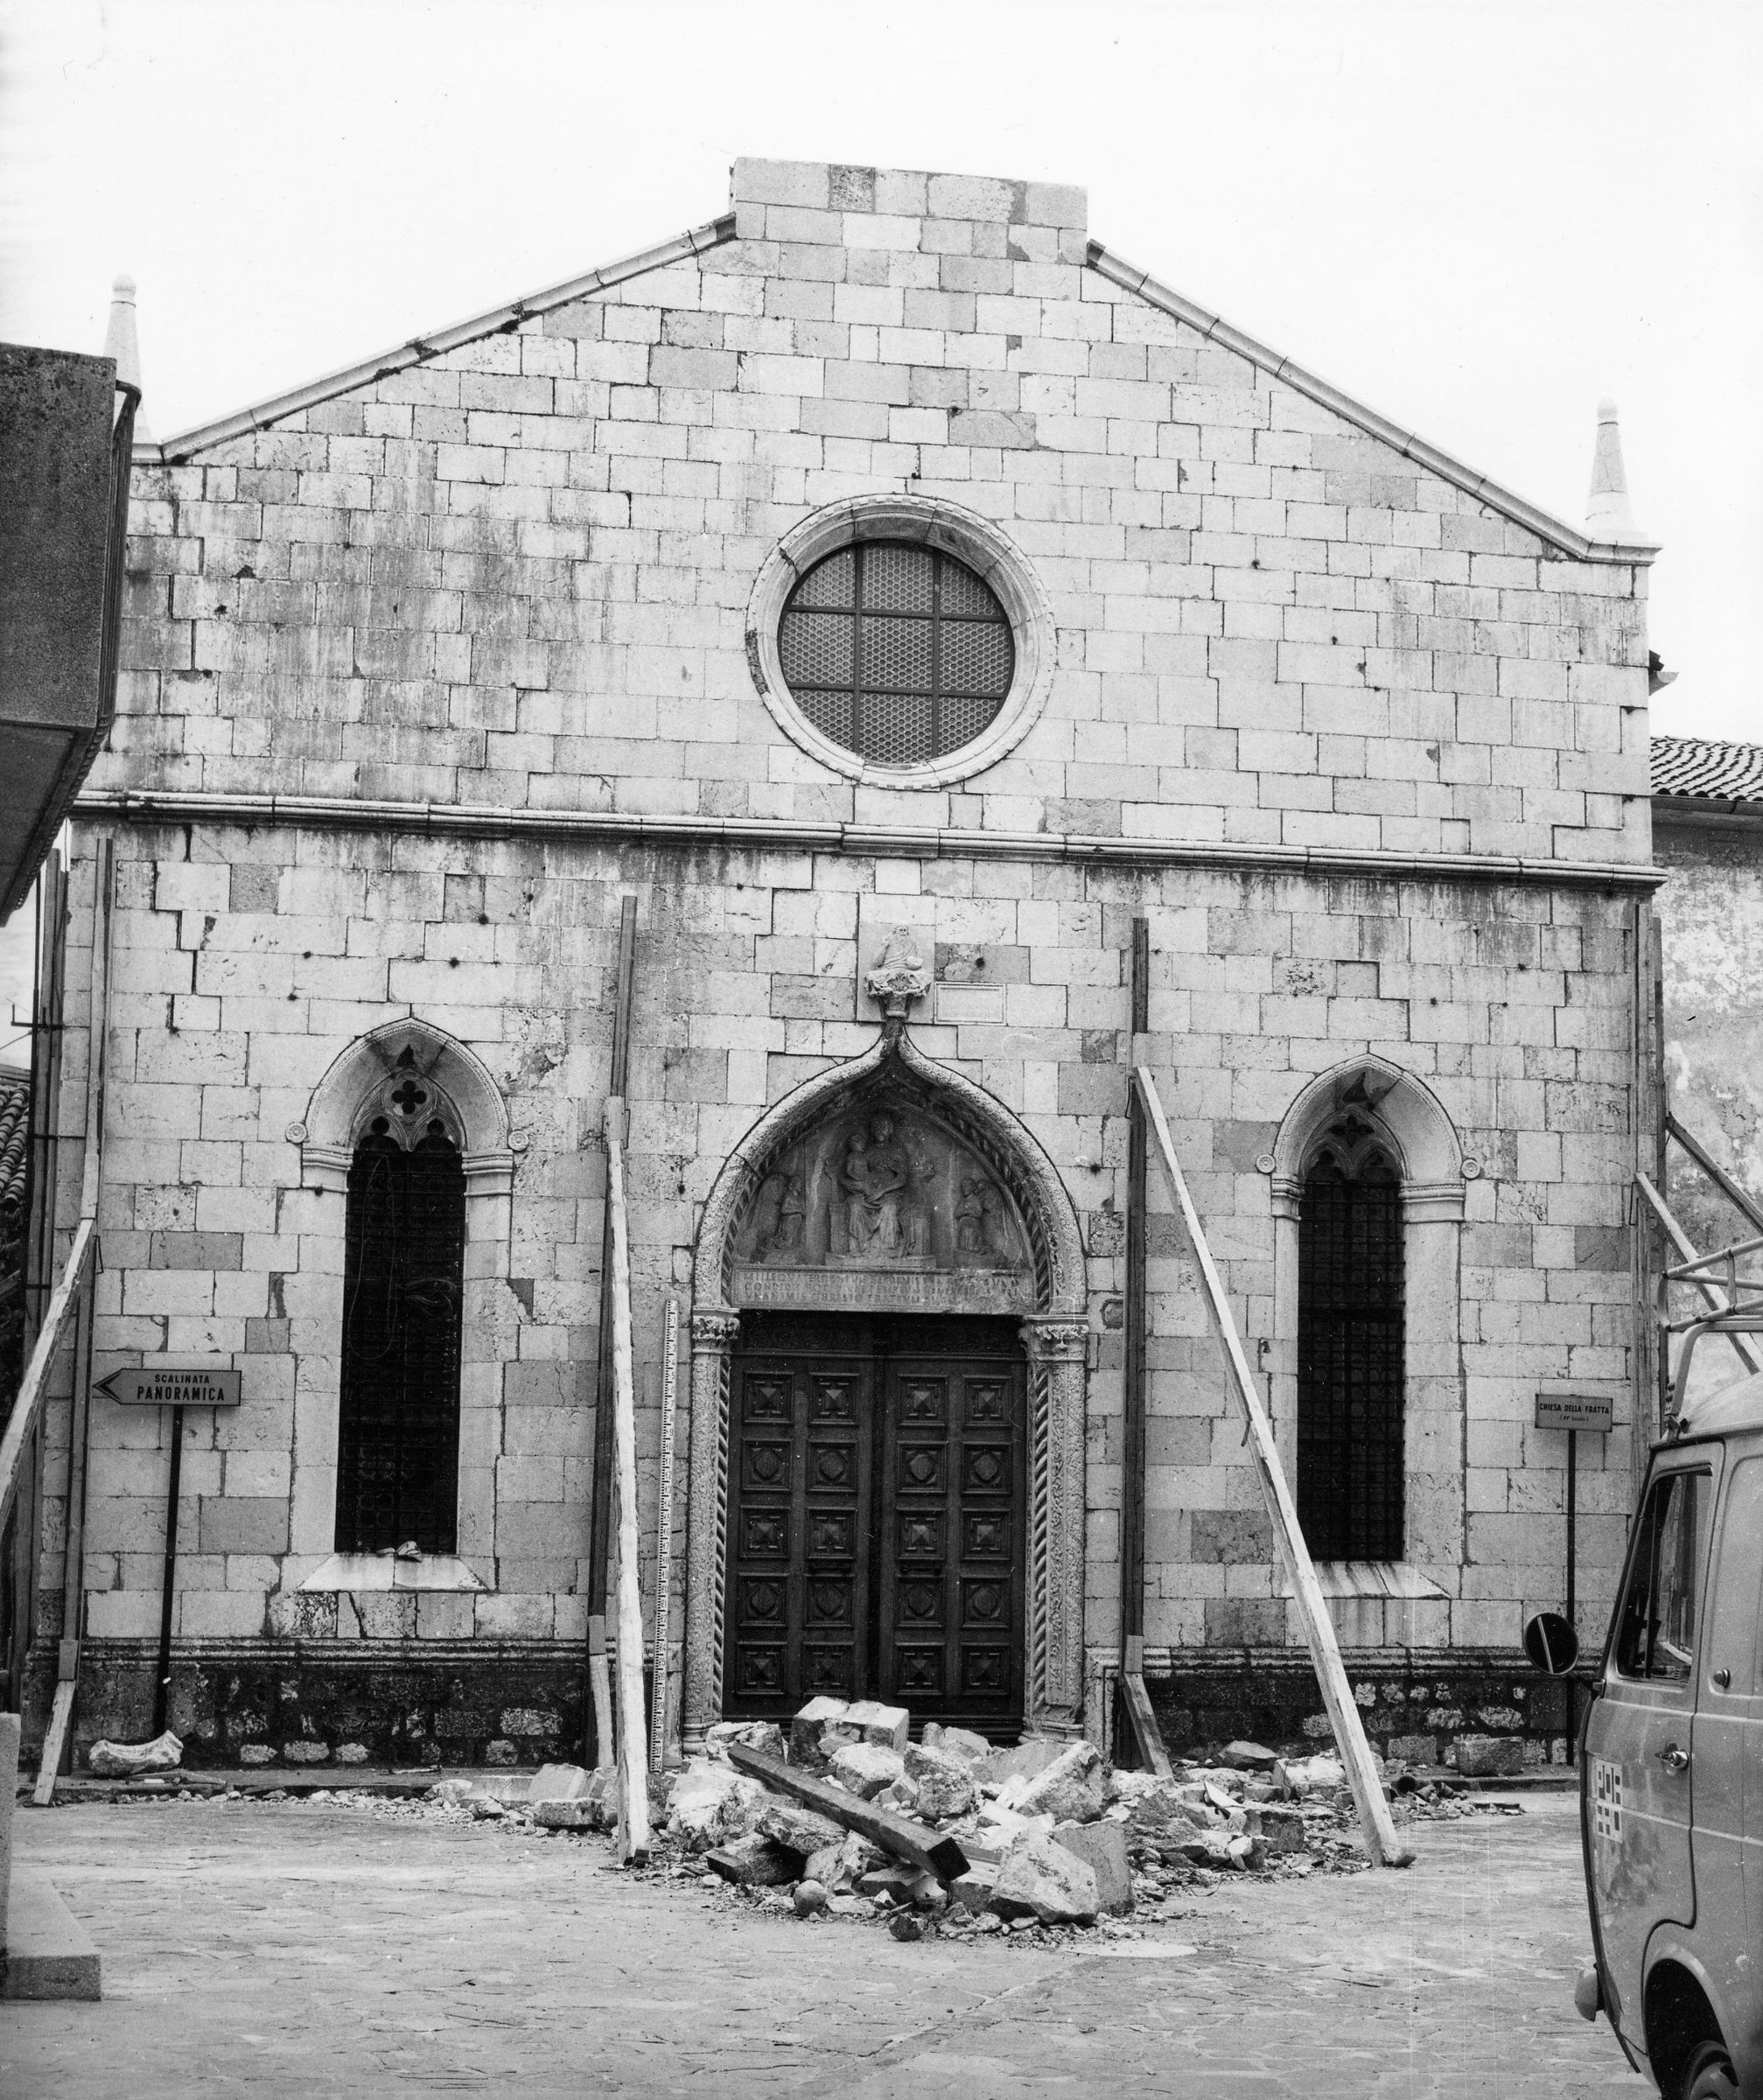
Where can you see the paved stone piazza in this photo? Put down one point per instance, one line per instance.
(428, 668)
(289, 1948)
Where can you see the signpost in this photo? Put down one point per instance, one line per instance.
(181, 1387)
(1594, 1415)
(176, 1386)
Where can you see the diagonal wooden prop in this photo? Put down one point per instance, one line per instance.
(1380, 1841)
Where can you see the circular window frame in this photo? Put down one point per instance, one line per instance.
(923, 520)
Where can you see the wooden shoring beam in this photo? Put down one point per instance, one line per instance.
(49, 1335)
(80, 1419)
(632, 1840)
(600, 1488)
(1749, 1355)
(1380, 1840)
(1135, 1699)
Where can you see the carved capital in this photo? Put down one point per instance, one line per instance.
(715, 1330)
(1056, 1341)
(899, 975)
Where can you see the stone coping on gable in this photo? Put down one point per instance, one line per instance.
(883, 840)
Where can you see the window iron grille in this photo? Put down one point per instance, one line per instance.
(398, 1436)
(1351, 1475)
(897, 652)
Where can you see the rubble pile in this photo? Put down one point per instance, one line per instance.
(1043, 1834)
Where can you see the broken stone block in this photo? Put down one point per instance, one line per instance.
(451, 1791)
(973, 1890)
(1205, 1848)
(1318, 1775)
(1028, 1760)
(712, 1803)
(1244, 1851)
(897, 1884)
(900, 1796)
(1489, 1756)
(878, 1723)
(810, 1897)
(558, 1783)
(805, 1729)
(865, 1769)
(1281, 1830)
(1101, 1847)
(1039, 1878)
(131, 1761)
(756, 1735)
(1248, 1757)
(799, 1828)
(957, 1742)
(754, 1862)
(1070, 1789)
(906, 1925)
(945, 1784)
(572, 1815)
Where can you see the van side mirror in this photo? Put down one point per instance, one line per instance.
(1551, 1644)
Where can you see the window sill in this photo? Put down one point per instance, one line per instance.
(1371, 1578)
(386, 1572)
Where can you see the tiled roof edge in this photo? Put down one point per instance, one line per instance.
(1563, 538)
(1707, 776)
(261, 414)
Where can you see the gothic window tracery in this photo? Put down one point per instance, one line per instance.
(398, 1454)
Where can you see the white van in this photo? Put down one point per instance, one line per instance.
(1671, 1765)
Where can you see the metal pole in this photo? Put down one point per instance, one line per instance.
(1572, 1555)
(162, 1682)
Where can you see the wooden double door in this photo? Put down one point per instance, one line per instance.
(877, 1516)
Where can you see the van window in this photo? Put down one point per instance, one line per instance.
(1733, 1631)
(1657, 1635)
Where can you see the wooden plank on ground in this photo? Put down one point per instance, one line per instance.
(1385, 1847)
(911, 1842)
(54, 1742)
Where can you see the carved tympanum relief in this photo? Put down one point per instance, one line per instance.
(881, 1206)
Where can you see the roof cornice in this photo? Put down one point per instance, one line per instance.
(435, 343)
(1564, 537)
(759, 833)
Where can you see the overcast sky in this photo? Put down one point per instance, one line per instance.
(1479, 218)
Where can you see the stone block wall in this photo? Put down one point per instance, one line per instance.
(516, 574)
(514, 577)
(223, 1024)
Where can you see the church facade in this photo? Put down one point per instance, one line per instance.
(919, 614)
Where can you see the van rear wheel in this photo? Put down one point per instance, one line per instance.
(1709, 2075)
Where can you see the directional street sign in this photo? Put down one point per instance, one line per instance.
(184, 1386)
(1592, 1412)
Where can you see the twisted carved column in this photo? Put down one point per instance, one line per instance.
(1058, 1353)
(713, 1342)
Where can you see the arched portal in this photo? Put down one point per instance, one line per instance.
(890, 1222)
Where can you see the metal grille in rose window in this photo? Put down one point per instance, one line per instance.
(897, 652)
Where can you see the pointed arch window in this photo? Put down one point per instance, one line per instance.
(1351, 1397)
(398, 1434)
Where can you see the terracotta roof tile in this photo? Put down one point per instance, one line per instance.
(1710, 771)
